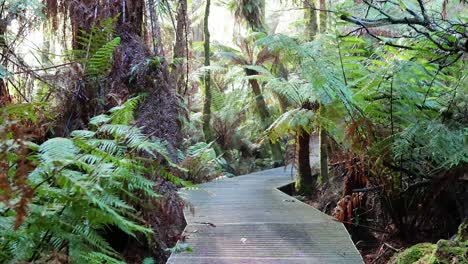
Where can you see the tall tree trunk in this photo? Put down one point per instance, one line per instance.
(264, 115)
(180, 74)
(310, 16)
(207, 78)
(305, 182)
(4, 94)
(323, 16)
(159, 114)
(323, 138)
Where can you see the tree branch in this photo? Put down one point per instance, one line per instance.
(370, 23)
(423, 10)
(441, 34)
(383, 41)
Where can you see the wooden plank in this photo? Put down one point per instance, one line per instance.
(246, 219)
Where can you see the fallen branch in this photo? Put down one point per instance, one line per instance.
(391, 247)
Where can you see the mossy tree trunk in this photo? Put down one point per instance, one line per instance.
(305, 182)
(264, 115)
(207, 78)
(180, 73)
(310, 17)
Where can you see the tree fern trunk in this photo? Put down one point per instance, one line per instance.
(323, 156)
(259, 100)
(304, 182)
(264, 116)
(207, 78)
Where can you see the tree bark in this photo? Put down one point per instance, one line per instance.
(159, 114)
(207, 78)
(310, 16)
(304, 182)
(180, 73)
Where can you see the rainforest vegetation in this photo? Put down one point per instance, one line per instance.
(108, 108)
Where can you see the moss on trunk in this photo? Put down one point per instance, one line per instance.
(207, 78)
(310, 16)
(305, 182)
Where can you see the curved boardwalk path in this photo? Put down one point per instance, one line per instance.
(246, 219)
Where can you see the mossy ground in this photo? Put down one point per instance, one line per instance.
(414, 253)
(443, 252)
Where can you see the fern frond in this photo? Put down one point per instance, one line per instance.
(174, 179)
(100, 119)
(123, 114)
(57, 149)
(232, 57)
(294, 120)
(97, 258)
(101, 60)
(83, 134)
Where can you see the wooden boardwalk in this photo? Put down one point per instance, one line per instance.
(246, 219)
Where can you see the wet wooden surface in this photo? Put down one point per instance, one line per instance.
(246, 219)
